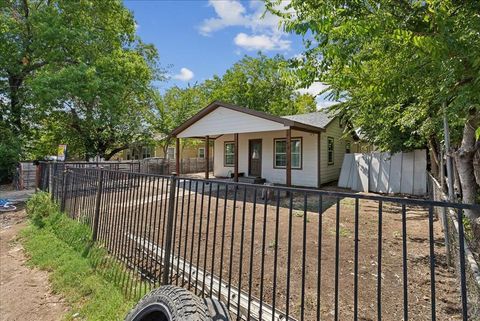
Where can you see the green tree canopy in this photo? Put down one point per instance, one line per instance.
(260, 83)
(76, 68)
(395, 64)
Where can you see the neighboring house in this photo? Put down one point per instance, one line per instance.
(254, 144)
(142, 152)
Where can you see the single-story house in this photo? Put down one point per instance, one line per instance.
(300, 150)
(155, 150)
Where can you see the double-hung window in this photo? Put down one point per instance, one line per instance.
(330, 145)
(201, 152)
(229, 154)
(280, 160)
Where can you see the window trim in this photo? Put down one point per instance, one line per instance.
(349, 144)
(301, 152)
(225, 153)
(174, 152)
(198, 152)
(333, 150)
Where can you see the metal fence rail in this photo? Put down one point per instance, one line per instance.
(271, 252)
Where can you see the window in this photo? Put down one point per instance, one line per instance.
(229, 154)
(280, 160)
(146, 152)
(201, 152)
(347, 148)
(330, 145)
(171, 153)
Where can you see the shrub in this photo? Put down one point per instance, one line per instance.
(40, 207)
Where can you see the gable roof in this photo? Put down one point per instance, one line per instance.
(319, 118)
(281, 120)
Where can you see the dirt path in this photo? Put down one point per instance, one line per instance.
(24, 292)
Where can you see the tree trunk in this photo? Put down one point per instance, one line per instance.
(434, 163)
(15, 82)
(109, 155)
(464, 163)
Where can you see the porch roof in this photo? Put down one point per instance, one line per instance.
(220, 118)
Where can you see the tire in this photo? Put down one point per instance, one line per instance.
(217, 310)
(169, 303)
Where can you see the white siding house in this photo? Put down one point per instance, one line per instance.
(318, 144)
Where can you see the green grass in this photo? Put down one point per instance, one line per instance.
(83, 274)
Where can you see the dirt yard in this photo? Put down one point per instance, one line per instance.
(233, 240)
(24, 292)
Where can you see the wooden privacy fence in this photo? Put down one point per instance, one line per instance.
(164, 166)
(404, 173)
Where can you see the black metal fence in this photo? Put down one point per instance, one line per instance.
(271, 252)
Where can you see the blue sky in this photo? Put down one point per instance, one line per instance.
(197, 39)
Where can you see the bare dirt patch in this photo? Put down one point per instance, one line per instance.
(282, 254)
(25, 293)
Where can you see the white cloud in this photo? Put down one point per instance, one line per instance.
(184, 75)
(261, 42)
(315, 89)
(266, 33)
(229, 13)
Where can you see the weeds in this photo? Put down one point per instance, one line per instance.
(80, 271)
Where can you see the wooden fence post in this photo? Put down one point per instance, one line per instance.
(98, 200)
(64, 191)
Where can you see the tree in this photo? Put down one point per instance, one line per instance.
(79, 62)
(395, 65)
(261, 83)
(173, 108)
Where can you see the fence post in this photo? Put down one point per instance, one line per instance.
(64, 190)
(169, 235)
(97, 205)
(53, 179)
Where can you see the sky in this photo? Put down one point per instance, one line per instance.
(197, 39)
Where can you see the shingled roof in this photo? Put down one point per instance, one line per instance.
(318, 119)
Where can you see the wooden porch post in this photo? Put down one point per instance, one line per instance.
(319, 160)
(289, 158)
(177, 156)
(235, 171)
(207, 156)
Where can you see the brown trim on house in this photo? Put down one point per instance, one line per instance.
(261, 154)
(224, 149)
(177, 156)
(319, 160)
(214, 105)
(301, 152)
(207, 155)
(235, 171)
(289, 158)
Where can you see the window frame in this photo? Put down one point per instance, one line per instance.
(225, 154)
(198, 152)
(275, 153)
(333, 150)
(174, 153)
(349, 145)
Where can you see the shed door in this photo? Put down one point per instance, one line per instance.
(255, 157)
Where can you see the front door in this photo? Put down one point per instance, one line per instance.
(255, 157)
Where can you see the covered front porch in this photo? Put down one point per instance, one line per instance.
(254, 147)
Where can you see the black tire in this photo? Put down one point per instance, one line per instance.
(169, 303)
(217, 310)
